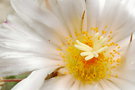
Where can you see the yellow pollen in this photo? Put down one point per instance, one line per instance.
(91, 57)
(104, 32)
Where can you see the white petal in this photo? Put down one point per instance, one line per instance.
(23, 38)
(58, 83)
(32, 11)
(16, 63)
(20, 47)
(93, 11)
(123, 84)
(45, 23)
(116, 14)
(75, 86)
(70, 12)
(130, 59)
(34, 81)
(124, 44)
(108, 85)
(95, 86)
(34, 30)
(127, 72)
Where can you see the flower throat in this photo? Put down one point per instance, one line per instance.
(91, 57)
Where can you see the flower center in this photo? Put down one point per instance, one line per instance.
(91, 57)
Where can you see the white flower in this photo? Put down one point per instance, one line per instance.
(70, 44)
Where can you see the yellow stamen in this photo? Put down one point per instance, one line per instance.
(88, 51)
(91, 58)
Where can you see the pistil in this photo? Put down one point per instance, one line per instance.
(88, 51)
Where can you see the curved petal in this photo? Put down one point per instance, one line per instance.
(127, 72)
(34, 81)
(108, 85)
(45, 23)
(74, 13)
(71, 12)
(93, 11)
(117, 15)
(75, 86)
(130, 59)
(20, 47)
(26, 62)
(33, 12)
(29, 38)
(123, 84)
(95, 86)
(124, 45)
(58, 83)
